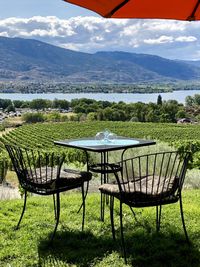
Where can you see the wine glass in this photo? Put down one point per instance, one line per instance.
(99, 136)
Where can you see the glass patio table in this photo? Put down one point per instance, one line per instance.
(103, 147)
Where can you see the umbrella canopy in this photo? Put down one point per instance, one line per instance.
(156, 9)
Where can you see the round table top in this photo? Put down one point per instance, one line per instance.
(103, 142)
(104, 145)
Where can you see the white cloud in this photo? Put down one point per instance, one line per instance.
(97, 39)
(90, 34)
(166, 25)
(186, 39)
(130, 30)
(4, 34)
(161, 40)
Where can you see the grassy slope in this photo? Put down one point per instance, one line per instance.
(94, 247)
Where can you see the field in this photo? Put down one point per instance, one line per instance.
(43, 135)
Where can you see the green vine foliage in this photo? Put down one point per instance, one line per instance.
(42, 136)
(194, 148)
(4, 163)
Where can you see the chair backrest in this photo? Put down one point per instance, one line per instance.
(153, 177)
(36, 170)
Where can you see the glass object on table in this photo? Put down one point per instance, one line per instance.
(99, 136)
(105, 136)
(111, 137)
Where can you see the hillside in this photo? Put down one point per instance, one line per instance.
(26, 59)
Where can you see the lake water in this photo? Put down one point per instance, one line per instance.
(127, 98)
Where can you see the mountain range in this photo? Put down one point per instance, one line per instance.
(32, 60)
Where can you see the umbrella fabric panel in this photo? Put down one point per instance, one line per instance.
(102, 7)
(171, 9)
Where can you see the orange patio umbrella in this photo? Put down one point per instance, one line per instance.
(156, 9)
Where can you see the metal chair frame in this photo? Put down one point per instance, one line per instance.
(40, 173)
(148, 180)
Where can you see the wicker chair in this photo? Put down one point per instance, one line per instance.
(148, 180)
(40, 173)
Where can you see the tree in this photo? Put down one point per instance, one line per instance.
(152, 116)
(105, 104)
(181, 114)
(118, 115)
(92, 116)
(140, 111)
(79, 109)
(107, 114)
(91, 108)
(40, 104)
(189, 101)
(60, 104)
(10, 108)
(169, 110)
(19, 103)
(100, 115)
(159, 100)
(197, 99)
(4, 103)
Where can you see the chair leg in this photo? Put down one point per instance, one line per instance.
(122, 233)
(134, 215)
(85, 195)
(102, 206)
(83, 205)
(111, 216)
(58, 215)
(54, 204)
(158, 217)
(183, 221)
(23, 210)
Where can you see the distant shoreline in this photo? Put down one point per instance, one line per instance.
(17, 87)
(99, 92)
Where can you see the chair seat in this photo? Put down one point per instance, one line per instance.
(141, 192)
(73, 175)
(42, 180)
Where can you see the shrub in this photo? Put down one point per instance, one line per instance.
(54, 116)
(33, 117)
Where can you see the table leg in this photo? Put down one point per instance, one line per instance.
(87, 183)
(104, 179)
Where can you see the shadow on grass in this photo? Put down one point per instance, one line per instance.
(75, 247)
(143, 250)
(161, 250)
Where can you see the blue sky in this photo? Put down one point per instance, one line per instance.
(29, 8)
(72, 27)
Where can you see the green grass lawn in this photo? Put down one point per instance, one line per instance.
(29, 246)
